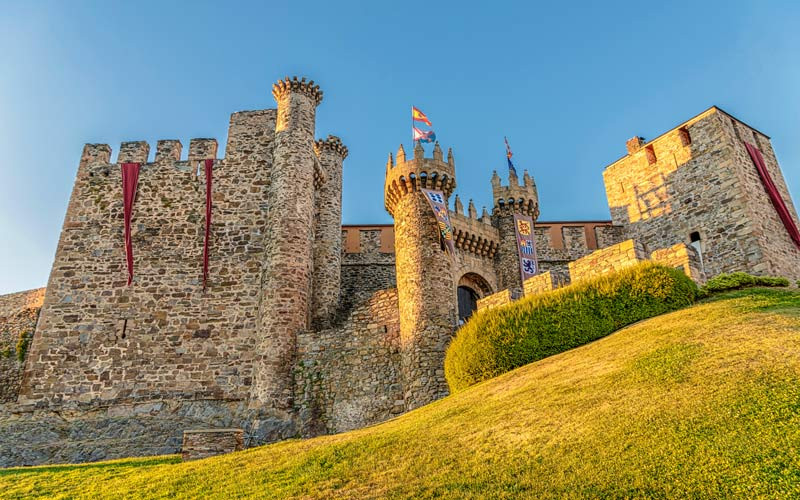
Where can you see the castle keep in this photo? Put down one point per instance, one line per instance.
(305, 326)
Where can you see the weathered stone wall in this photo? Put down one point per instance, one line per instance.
(698, 178)
(683, 257)
(500, 298)
(781, 257)
(607, 260)
(90, 432)
(349, 376)
(18, 315)
(368, 265)
(543, 282)
(163, 336)
(204, 443)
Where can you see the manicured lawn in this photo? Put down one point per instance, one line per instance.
(699, 403)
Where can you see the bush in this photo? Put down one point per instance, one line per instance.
(738, 280)
(22, 345)
(498, 340)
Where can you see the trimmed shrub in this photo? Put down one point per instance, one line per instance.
(738, 280)
(498, 340)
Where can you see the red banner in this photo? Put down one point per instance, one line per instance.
(774, 195)
(209, 164)
(526, 248)
(130, 181)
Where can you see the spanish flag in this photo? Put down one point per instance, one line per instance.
(419, 116)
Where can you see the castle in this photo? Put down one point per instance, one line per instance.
(304, 326)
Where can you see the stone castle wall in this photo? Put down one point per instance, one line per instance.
(607, 260)
(780, 256)
(18, 315)
(367, 263)
(163, 336)
(349, 376)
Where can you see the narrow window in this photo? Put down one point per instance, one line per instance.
(686, 139)
(651, 154)
(694, 238)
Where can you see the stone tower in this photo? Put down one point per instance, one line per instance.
(289, 244)
(697, 184)
(328, 247)
(424, 271)
(510, 200)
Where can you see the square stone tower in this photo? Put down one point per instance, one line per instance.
(698, 185)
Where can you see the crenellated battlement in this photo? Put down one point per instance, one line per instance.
(281, 87)
(332, 144)
(515, 198)
(407, 176)
(473, 235)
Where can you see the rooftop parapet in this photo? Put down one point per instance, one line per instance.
(294, 85)
(406, 176)
(515, 198)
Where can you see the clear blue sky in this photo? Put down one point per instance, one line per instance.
(567, 83)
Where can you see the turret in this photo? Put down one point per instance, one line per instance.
(509, 200)
(328, 233)
(289, 246)
(424, 272)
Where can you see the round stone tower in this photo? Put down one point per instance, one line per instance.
(288, 244)
(424, 271)
(510, 200)
(328, 247)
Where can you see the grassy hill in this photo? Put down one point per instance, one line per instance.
(702, 402)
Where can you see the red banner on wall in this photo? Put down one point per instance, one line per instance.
(130, 181)
(437, 202)
(774, 194)
(526, 247)
(209, 167)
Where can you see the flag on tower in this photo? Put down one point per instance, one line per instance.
(419, 116)
(509, 154)
(423, 135)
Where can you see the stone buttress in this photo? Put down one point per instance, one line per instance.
(510, 200)
(424, 273)
(289, 247)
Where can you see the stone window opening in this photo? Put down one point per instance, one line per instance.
(696, 241)
(651, 154)
(686, 139)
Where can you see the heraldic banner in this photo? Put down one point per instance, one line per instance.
(523, 226)
(437, 202)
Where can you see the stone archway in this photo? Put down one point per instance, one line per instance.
(470, 288)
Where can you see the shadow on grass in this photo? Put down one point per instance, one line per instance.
(142, 462)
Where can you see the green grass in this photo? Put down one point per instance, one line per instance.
(699, 403)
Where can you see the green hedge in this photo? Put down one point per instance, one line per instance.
(735, 281)
(498, 340)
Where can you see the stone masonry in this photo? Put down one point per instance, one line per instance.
(305, 326)
(697, 184)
